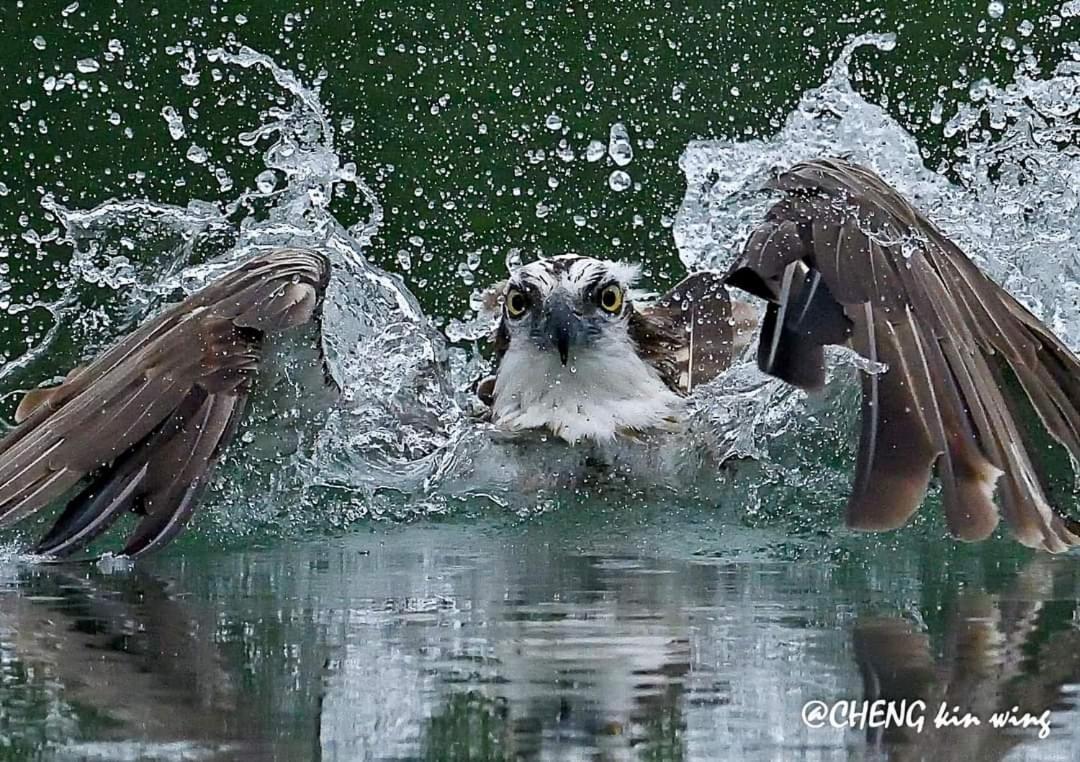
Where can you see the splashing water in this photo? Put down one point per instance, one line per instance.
(402, 437)
(396, 405)
(1015, 214)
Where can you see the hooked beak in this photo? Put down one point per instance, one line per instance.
(562, 327)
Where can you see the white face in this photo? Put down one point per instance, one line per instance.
(568, 304)
(570, 365)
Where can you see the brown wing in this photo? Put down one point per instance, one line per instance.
(150, 416)
(843, 258)
(692, 333)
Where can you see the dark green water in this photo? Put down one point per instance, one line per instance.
(664, 630)
(449, 102)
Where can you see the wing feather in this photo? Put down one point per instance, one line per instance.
(896, 449)
(151, 415)
(952, 341)
(692, 333)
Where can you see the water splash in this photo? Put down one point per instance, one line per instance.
(1014, 212)
(402, 439)
(396, 403)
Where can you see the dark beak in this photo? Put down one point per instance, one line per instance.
(563, 327)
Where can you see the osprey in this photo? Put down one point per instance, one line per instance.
(576, 356)
(974, 383)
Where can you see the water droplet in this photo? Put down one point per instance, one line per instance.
(225, 183)
(175, 122)
(996, 9)
(594, 151)
(39, 42)
(619, 148)
(87, 65)
(404, 260)
(553, 122)
(196, 154)
(266, 181)
(619, 180)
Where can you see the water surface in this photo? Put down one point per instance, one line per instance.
(631, 637)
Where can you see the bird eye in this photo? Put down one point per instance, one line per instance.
(611, 299)
(516, 303)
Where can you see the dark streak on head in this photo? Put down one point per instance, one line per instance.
(593, 285)
(560, 265)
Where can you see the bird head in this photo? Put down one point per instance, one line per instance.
(574, 354)
(568, 305)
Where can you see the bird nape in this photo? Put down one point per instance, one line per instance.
(841, 258)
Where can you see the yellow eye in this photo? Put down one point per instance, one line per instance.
(516, 303)
(611, 299)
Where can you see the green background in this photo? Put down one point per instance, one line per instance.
(448, 104)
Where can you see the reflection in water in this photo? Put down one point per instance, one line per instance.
(468, 642)
(1009, 654)
(120, 657)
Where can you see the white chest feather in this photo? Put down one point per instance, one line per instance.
(599, 393)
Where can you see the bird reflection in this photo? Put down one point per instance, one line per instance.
(415, 644)
(591, 663)
(127, 661)
(611, 684)
(1000, 653)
